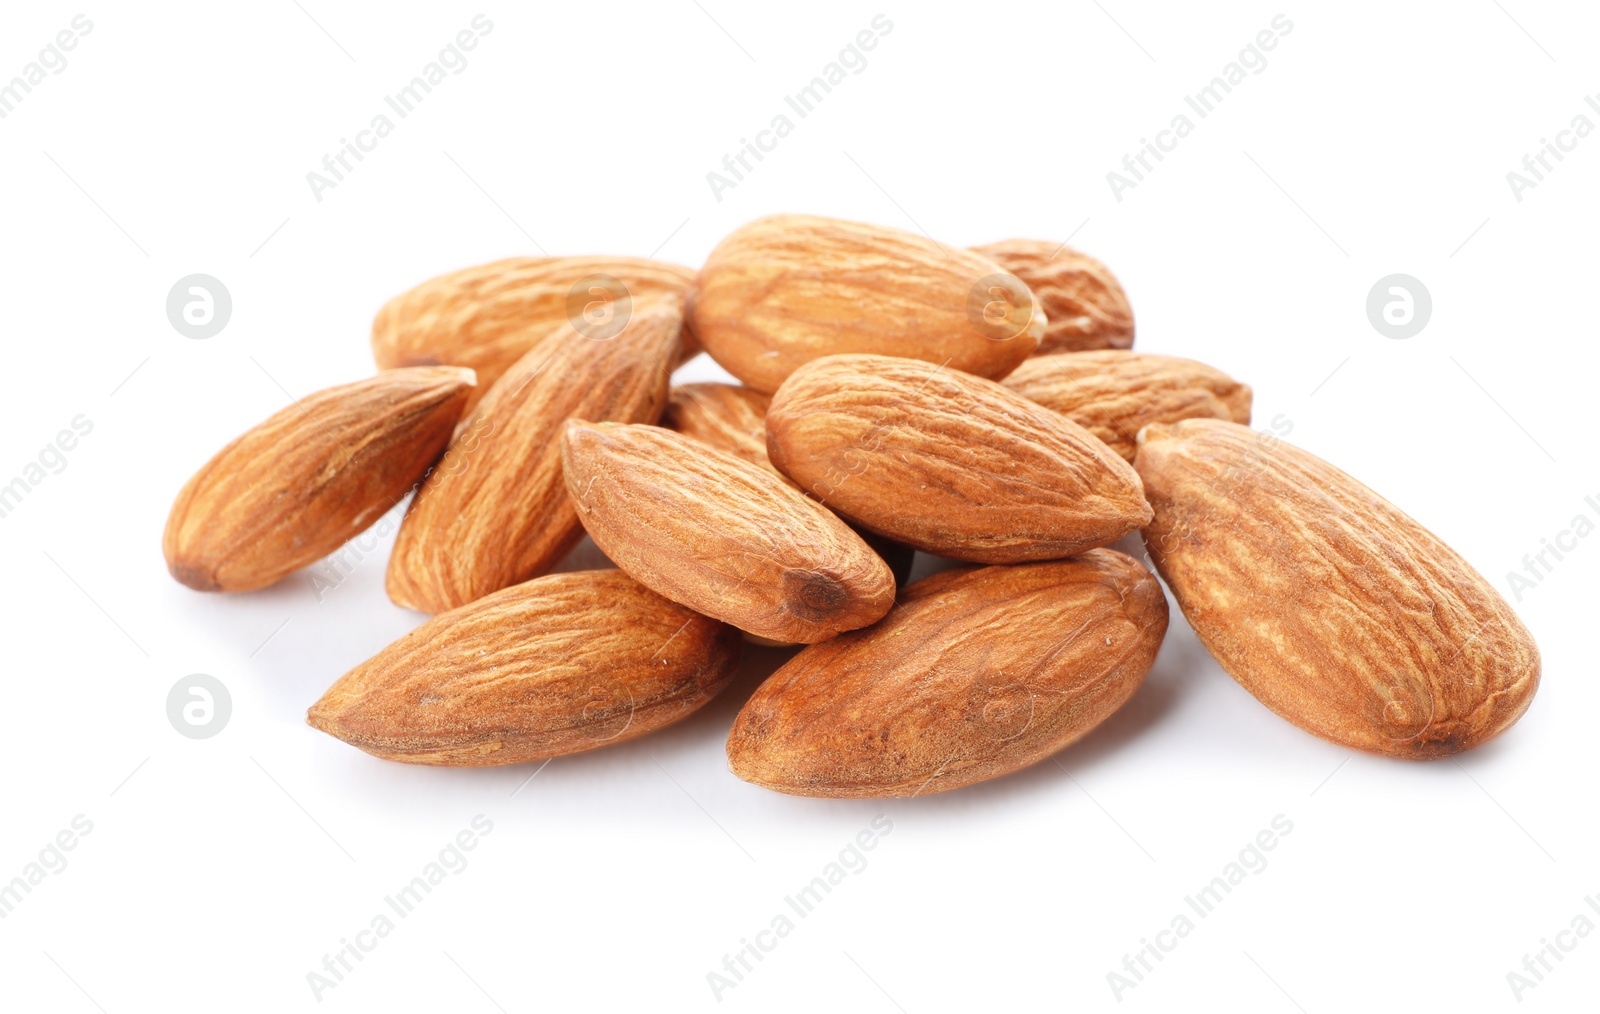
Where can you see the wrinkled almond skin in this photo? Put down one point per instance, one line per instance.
(315, 475)
(489, 316)
(1082, 300)
(784, 290)
(1325, 601)
(949, 463)
(1114, 393)
(713, 532)
(495, 511)
(560, 664)
(976, 673)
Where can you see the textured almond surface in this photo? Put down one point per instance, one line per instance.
(315, 475)
(784, 290)
(725, 416)
(1113, 393)
(495, 511)
(489, 316)
(1325, 601)
(949, 463)
(722, 536)
(1083, 303)
(559, 664)
(976, 673)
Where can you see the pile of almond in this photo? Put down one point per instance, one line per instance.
(898, 396)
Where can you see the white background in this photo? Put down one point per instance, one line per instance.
(220, 872)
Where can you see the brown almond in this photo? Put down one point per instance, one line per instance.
(784, 290)
(315, 475)
(495, 512)
(489, 316)
(1325, 601)
(720, 535)
(1083, 303)
(949, 463)
(976, 673)
(1114, 393)
(560, 664)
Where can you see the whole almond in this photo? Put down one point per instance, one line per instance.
(489, 316)
(495, 512)
(784, 290)
(312, 477)
(720, 535)
(559, 664)
(976, 673)
(1113, 393)
(949, 463)
(1082, 300)
(1325, 601)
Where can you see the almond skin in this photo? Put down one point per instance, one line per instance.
(733, 419)
(495, 512)
(559, 664)
(1325, 601)
(1114, 393)
(315, 475)
(711, 531)
(784, 290)
(1082, 300)
(725, 416)
(976, 673)
(489, 316)
(949, 463)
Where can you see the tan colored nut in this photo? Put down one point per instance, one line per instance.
(315, 475)
(949, 463)
(1082, 299)
(784, 290)
(1114, 393)
(495, 512)
(720, 535)
(560, 664)
(976, 673)
(489, 316)
(1325, 601)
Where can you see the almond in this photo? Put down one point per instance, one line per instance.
(976, 673)
(949, 463)
(1113, 393)
(489, 316)
(787, 289)
(1082, 301)
(495, 512)
(559, 664)
(1325, 601)
(714, 532)
(315, 475)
